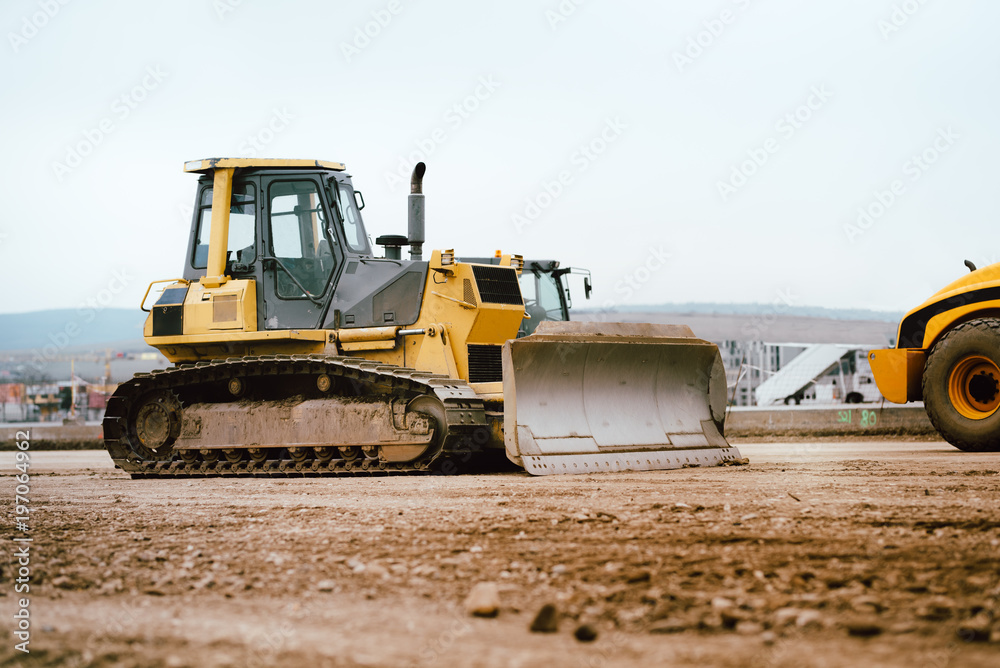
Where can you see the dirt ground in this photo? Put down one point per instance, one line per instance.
(817, 554)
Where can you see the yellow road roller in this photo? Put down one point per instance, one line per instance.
(947, 354)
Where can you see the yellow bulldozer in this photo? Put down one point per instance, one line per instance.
(948, 355)
(299, 350)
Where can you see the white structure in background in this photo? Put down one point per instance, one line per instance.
(764, 374)
(748, 364)
(823, 373)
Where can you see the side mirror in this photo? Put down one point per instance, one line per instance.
(587, 287)
(359, 199)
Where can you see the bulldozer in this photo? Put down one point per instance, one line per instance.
(299, 350)
(947, 354)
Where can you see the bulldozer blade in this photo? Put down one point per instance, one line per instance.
(585, 397)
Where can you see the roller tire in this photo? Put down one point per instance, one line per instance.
(973, 340)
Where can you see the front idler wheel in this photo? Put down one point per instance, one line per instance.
(155, 425)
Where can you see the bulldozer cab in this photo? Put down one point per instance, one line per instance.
(547, 294)
(290, 230)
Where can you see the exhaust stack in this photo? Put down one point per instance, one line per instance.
(415, 212)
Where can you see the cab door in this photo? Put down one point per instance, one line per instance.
(300, 259)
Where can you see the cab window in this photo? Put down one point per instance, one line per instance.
(299, 243)
(242, 230)
(354, 231)
(542, 300)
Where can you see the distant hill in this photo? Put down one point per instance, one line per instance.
(710, 308)
(121, 329)
(71, 329)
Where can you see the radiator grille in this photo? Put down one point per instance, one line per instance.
(484, 364)
(497, 285)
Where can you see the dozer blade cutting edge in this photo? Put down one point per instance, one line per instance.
(581, 397)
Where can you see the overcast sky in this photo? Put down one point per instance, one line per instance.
(683, 151)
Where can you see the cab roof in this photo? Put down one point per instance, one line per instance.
(208, 164)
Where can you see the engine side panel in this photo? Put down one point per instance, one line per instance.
(377, 293)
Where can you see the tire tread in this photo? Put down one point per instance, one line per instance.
(990, 326)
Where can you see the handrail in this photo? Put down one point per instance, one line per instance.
(308, 295)
(142, 304)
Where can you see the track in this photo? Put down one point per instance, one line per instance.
(464, 415)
